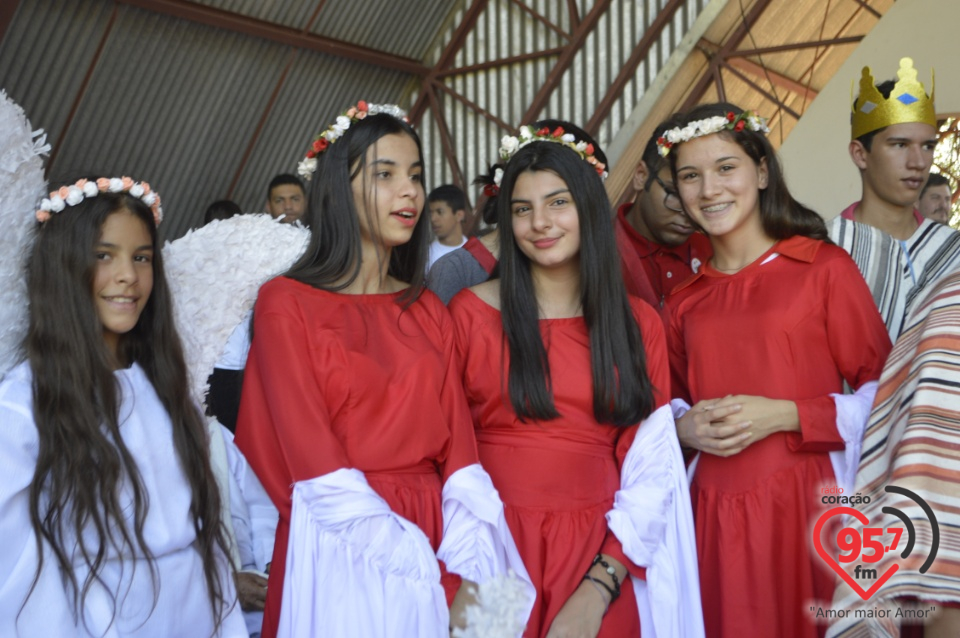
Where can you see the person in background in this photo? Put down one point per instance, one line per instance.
(658, 242)
(286, 198)
(936, 199)
(221, 209)
(447, 205)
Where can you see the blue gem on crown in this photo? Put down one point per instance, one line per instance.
(907, 99)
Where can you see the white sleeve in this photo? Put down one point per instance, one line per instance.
(652, 518)
(853, 412)
(477, 543)
(356, 568)
(47, 611)
(251, 509)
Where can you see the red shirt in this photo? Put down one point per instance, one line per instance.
(849, 210)
(666, 267)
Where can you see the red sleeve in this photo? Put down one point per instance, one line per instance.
(658, 371)
(284, 424)
(859, 344)
(463, 442)
(677, 355)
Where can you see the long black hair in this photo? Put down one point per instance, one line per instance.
(83, 460)
(622, 392)
(781, 215)
(332, 258)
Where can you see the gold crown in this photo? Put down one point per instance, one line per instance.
(908, 102)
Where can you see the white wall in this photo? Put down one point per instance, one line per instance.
(819, 170)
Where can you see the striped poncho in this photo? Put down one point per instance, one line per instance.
(898, 272)
(913, 441)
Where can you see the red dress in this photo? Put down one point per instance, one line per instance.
(795, 327)
(556, 478)
(353, 381)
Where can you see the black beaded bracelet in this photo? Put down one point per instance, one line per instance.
(615, 590)
(613, 594)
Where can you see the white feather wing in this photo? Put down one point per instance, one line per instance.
(215, 273)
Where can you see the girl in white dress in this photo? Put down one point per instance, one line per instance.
(109, 512)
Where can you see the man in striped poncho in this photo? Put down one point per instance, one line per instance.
(913, 441)
(899, 253)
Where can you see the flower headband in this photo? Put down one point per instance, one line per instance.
(715, 124)
(509, 146)
(85, 188)
(308, 165)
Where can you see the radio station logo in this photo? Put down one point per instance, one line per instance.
(868, 548)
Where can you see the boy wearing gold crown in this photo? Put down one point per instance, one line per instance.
(899, 253)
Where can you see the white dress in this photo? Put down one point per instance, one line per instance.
(178, 606)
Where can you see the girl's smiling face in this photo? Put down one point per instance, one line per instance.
(123, 276)
(546, 224)
(719, 184)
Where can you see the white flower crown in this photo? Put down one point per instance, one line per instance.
(509, 145)
(710, 125)
(308, 165)
(85, 188)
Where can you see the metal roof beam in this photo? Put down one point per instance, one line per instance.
(495, 64)
(8, 9)
(446, 140)
(475, 107)
(82, 91)
(456, 43)
(580, 34)
(287, 36)
(543, 20)
(650, 35)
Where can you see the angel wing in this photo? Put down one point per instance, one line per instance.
(21, 187)
(214, 274)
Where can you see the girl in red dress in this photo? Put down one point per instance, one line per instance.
(352, 412)
(560, 367)
(774, 325)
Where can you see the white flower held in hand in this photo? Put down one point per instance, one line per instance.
(501, 602)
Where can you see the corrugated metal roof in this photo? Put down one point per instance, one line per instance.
(504, 30)
(206, 107)
(402, 28)
(175, 102)
(284, 12)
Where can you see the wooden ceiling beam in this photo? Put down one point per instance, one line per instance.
(773, 77)
(731, 43)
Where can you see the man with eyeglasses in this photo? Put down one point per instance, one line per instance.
(657, 240)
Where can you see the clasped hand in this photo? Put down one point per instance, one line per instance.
(727, 426)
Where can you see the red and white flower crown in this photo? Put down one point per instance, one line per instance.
(730, 122)
(509, 145)
(86, 188)
(308, 165)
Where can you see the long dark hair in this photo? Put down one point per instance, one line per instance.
(781, 215)
(83, 460)
(622, 393)
(332, 258)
